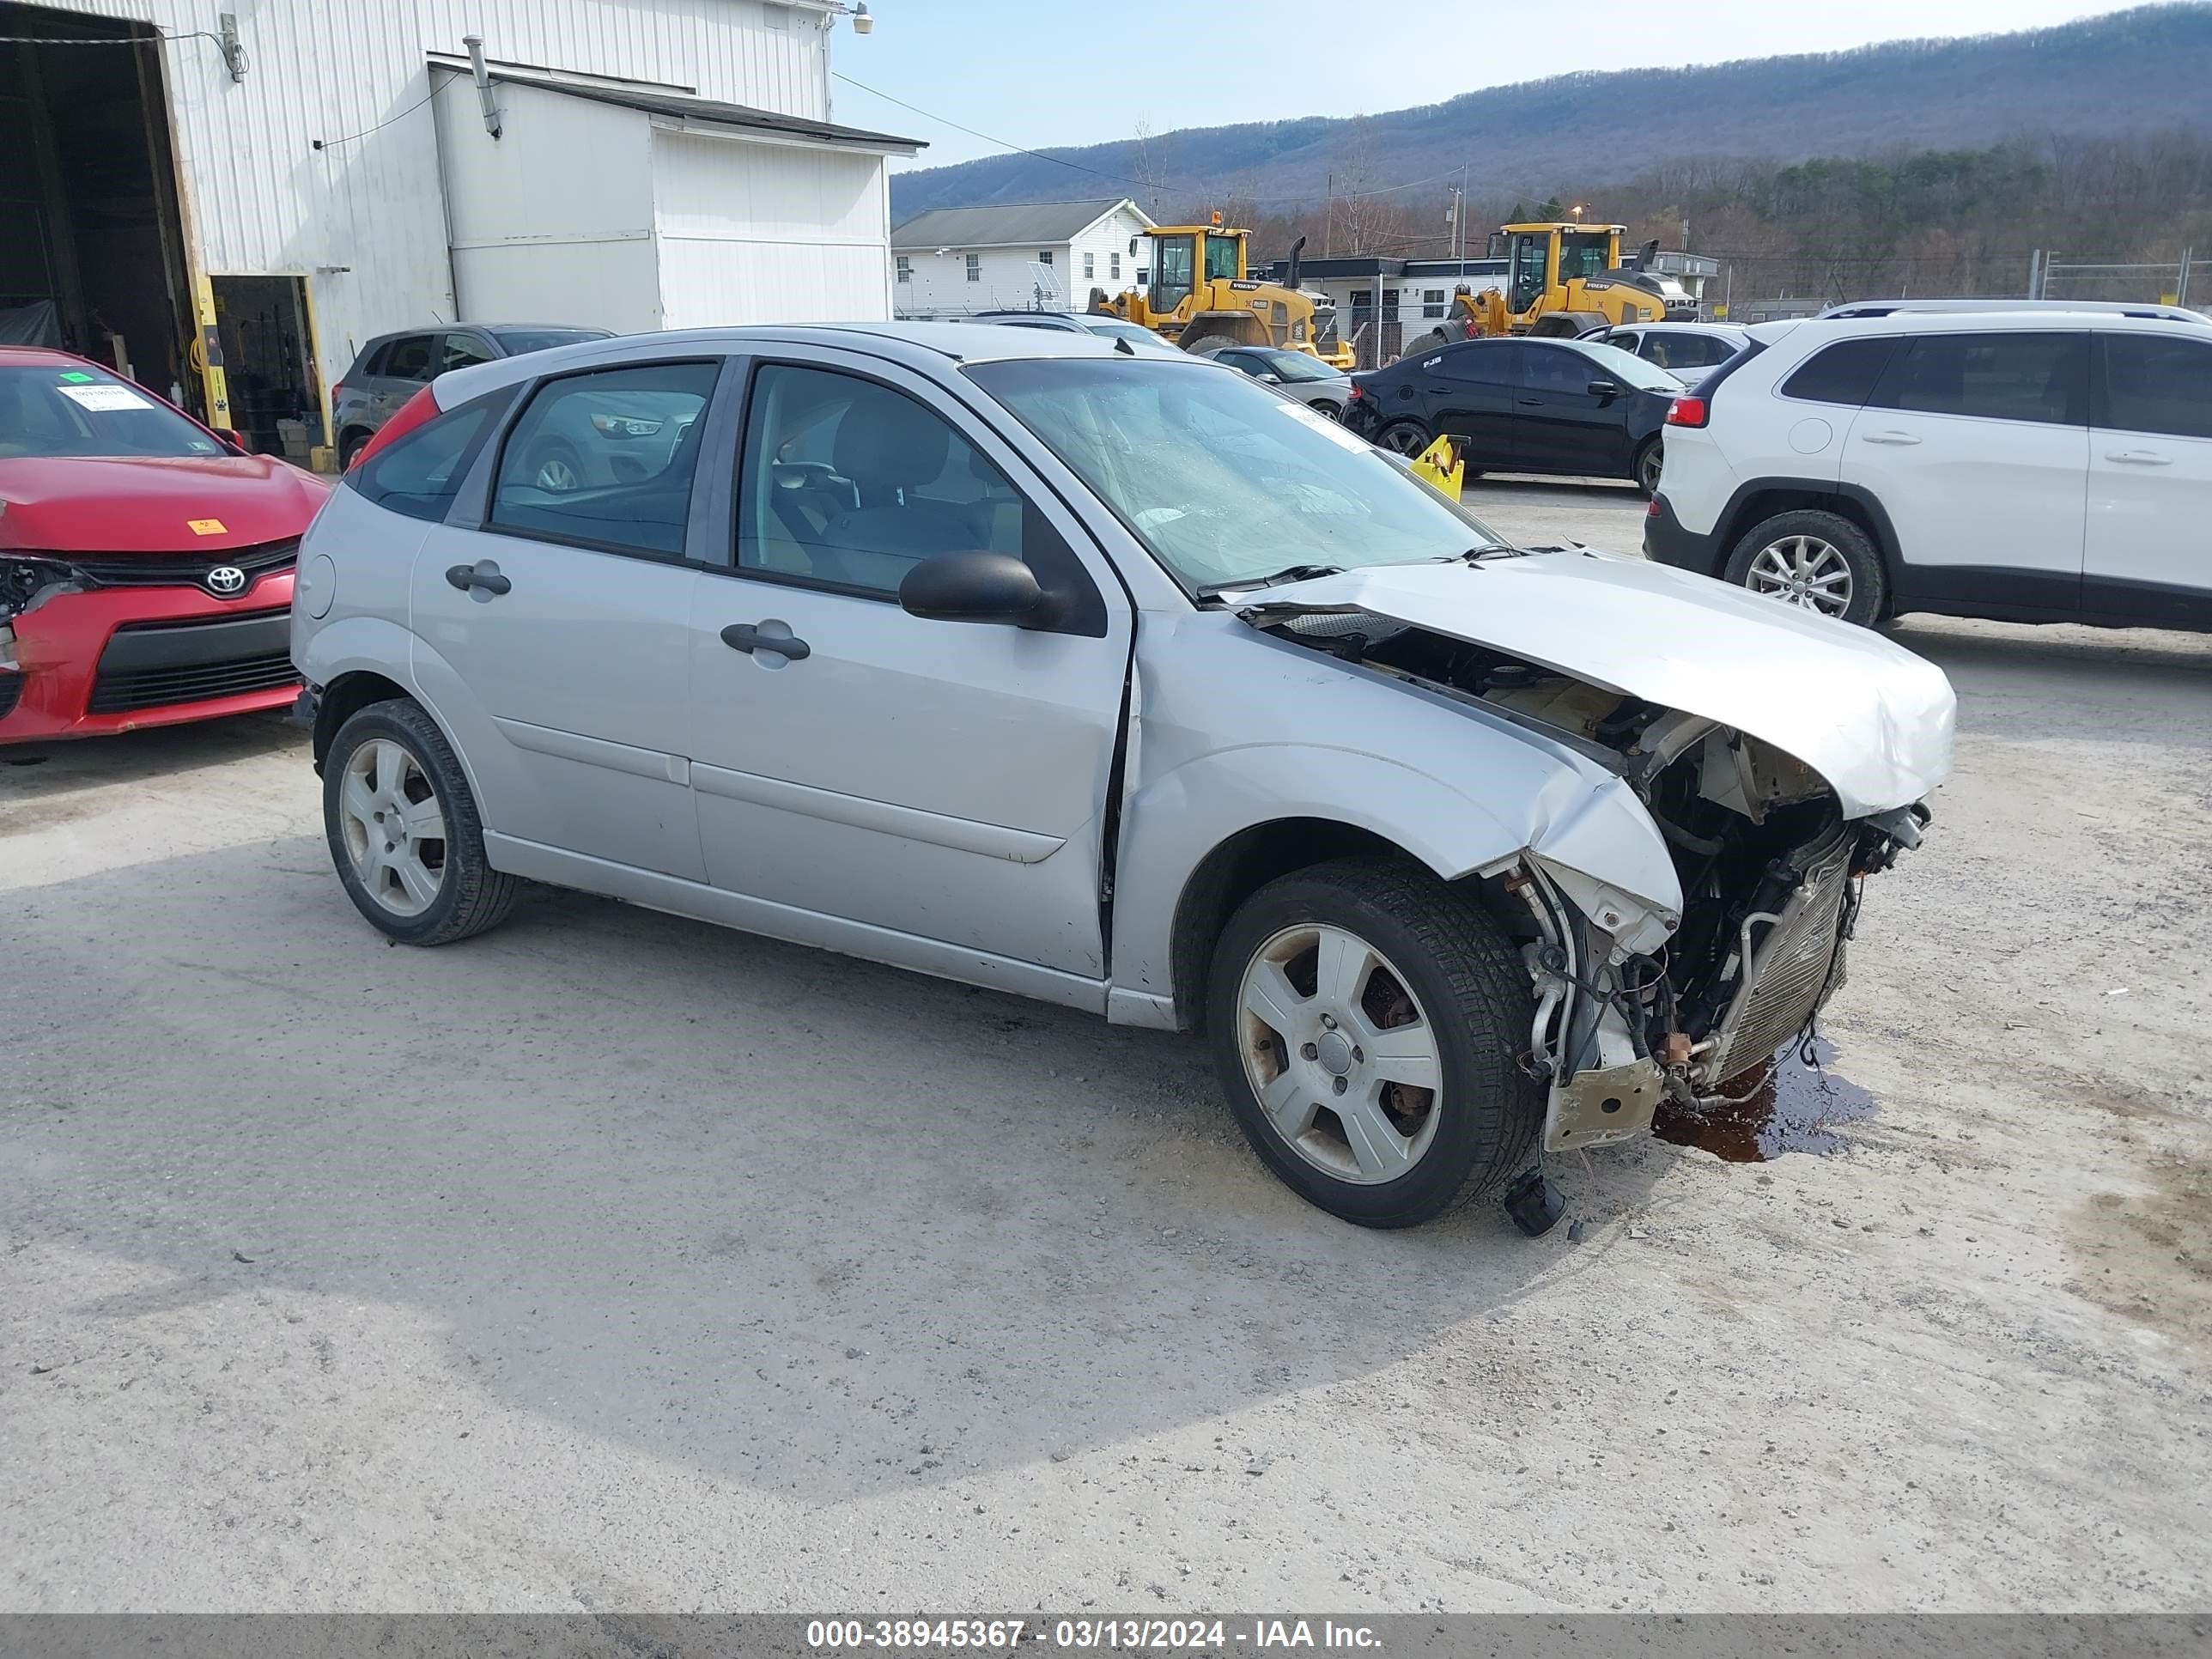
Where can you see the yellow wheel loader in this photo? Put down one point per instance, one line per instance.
(1563, 279)
(1200, 297)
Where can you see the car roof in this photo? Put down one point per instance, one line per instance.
(1861, 308)
(2023, 320)
(930, 348)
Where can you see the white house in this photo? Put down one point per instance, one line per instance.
(228, 197)
(1028, 256)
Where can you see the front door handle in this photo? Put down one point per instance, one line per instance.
(1530, 403)
(779, 640)
(2140, 457)
(484, 574)
(1888, 438)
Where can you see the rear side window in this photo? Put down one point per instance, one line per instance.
(421, 472)
(2154, 383)
(2025, 376)
(1844, 373)
(370, 363)
(408, 358)
(606, 458)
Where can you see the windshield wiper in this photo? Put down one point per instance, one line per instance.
(1289, 573)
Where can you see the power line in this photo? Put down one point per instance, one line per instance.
(332, 143)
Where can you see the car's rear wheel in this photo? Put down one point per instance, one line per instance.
(1407, 438)
(1649, 461)
(1364, 1020)
(349, 448)
(1814, 560)
(403, 829)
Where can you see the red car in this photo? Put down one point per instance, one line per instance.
(145, 564)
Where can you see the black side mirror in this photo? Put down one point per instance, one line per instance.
(1604, 389)
(976, 587)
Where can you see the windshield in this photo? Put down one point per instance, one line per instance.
(1297, 366)
(74, 408)
(1628, 369)
(516, 341)
(1224, 480)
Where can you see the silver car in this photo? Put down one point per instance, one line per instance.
(1124, 684)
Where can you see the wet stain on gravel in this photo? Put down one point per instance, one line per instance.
(2147, 1256)
(1786, 1106)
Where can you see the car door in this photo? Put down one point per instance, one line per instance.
(893, 784)
(1976, 446)
(563, 617)
(1561, 425)
(2148, 556)
(1469, 389)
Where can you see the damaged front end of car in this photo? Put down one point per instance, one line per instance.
(1689, 916)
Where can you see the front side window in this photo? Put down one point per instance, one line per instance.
(408, 358)
(1293, 366)
(1844, 373)
(418, 474)
(606, 458)
(1599, 360)
(75, 409)
(1531, 258)
(2036, 376)
(1557, 371)
(975, 267)
(1222, 479)
(1483, 363)
(2155, 383)
(850, 484)
(1583, 254)
(1221, 258)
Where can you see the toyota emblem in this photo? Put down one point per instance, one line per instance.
(226, 581)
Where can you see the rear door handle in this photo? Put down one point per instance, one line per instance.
(1889, 438)
(483, 574)
(780, 641)
(2140, 457)
(1530, 403)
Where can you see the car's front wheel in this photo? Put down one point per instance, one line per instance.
(403, 828)
(1651, 460)
(1364, 1020)
(1814, 560)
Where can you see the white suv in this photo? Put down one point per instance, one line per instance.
(2049, 465)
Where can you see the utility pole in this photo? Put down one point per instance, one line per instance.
(1328, 220)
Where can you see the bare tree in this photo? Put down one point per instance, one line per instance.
(1366, 216)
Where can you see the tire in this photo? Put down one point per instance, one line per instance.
(1436, 970)
(1651, 456)
(1204, 344)
(349, 448)
(1817, 561)
(555, 468)
(1407, 438)
(453, 891)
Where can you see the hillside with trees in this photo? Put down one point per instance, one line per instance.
(1925, 166)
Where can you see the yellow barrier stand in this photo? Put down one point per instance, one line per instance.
(1440, 464)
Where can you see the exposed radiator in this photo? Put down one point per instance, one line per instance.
(1789, 966)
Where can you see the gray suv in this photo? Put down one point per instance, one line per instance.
(1121, 682)
(394, 367)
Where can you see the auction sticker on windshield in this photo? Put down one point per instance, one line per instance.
(103, 399)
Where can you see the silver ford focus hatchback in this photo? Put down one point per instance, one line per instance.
(1115, 680)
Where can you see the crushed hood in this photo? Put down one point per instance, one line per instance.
(1868, 715)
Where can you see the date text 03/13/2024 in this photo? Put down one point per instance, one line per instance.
(1194, 1636)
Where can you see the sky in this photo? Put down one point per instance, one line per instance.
(1040, 76)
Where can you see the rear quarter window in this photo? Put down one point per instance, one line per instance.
(421, 473)
(1844, 373)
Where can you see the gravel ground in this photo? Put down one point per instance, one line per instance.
(614, 1262)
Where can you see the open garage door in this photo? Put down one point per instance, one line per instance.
(92, 248)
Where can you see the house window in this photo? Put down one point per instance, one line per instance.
(905, 268)
(975, 267)
(1090, 266)
(1044, 256)
(1142, 277)
(1432, 302)
(1113, 266)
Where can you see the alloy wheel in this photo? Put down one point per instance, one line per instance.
(1339, 1054)
(1804, 571)
(555, 475)
(395, 828)
(1406, 441)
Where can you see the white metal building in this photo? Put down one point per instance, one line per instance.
(230, 195)
(1020, 256)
